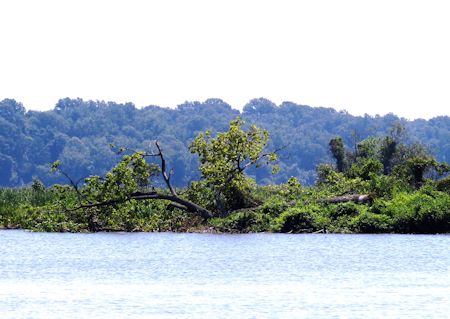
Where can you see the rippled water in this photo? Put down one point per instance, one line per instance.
(165, 275)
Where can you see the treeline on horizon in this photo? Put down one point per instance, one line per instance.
(79, 134)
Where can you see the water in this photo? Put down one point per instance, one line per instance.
(165, 275)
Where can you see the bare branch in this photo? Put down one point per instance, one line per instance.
(73, 184)
(164, 174)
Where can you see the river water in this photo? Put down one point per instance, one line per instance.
(167, 275)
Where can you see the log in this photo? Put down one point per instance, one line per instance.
(356, 198)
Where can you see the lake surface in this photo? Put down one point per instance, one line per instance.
(166, 275)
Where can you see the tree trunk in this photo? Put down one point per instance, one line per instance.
(357, 198)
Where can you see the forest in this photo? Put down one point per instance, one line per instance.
(383, 184)
(78, 134)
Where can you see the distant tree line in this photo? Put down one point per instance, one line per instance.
(79, 133)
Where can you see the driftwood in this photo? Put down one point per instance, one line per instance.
(356, 198)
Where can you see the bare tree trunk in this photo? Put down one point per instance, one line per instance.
(357, 198)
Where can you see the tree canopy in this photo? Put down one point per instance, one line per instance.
(361, 196)
(225, 158)
(78, 133)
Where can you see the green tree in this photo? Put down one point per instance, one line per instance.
(224, 159)
(338, 151)
(418, 167)
(388, 149)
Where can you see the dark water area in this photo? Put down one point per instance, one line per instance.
(167, 275)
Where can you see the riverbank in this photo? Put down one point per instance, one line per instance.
(286, 208)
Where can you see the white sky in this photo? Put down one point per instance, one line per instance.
(369, 57)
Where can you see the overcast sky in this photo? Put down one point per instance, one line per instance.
(369, 57)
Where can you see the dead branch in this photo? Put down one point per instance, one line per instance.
(356, 198)
(164, 174)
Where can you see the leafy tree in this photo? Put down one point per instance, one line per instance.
(388, 149)
(417, 167)
(338, 151)
(365, 169)
(224, 159)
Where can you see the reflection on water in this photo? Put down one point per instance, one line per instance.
(223, 276)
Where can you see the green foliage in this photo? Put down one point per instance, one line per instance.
(130, 175)
(365, 168)
(326, 175)
(388, 151)
(415, 170)
(274, 206)
(337, 183)
(338, 151)
(201, 194)
(242, 222)
(298, 219)
(224, 158)
(47, 219)
(341, 215)
(157, 216)
(367, 222)
(399, 174)
(12, 200)
(78, 133)
(420, 212)
(344, 209)
(443, 185)
(292, 190)
(381, 186)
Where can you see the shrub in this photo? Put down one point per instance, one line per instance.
(45, 219)
(420, 213)
(298, 219)
(274, 206)
(344, 209)
(341, 215)
(243, 221)
(443, 185)
(381, 186)
(367, 222)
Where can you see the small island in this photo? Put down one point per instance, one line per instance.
(381, 186)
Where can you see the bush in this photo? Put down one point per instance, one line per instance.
(381, 186)
(367, 222)
(298, 219)
(341, 215)
(344, 209)
(45, 219)
(420, 213)
(244, 222)
(274, 206)
(201, 194)
(443, 185)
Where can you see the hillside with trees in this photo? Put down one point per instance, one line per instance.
(79, 134)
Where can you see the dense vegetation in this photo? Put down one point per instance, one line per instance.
(78, 133)
(381, 185)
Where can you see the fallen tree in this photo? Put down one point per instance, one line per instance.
(356, 198)
(130, 180)
(224, 188)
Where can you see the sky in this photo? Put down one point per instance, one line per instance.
(371, 57)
